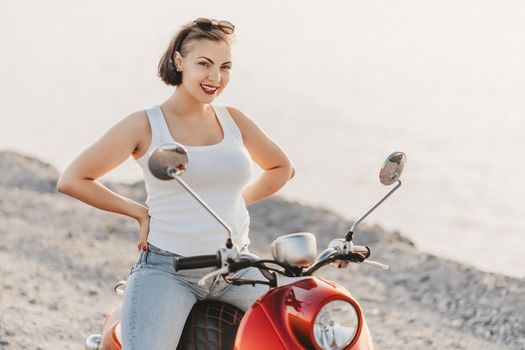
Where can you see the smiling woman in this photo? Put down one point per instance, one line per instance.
(222, 142)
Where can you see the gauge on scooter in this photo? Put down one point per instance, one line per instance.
(335, 325)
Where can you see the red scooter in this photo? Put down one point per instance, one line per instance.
(300, 310)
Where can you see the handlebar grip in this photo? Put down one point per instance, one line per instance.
(361, 249)
(196, 262)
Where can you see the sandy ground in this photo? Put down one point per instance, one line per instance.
(59, 260)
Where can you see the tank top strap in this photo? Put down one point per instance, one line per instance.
(159, 129)
(227, 121)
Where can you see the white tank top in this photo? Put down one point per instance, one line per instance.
(217, 173)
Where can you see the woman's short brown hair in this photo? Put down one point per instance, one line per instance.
(187, 33)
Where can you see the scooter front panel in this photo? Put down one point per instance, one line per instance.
(256, 332)
(289, 312)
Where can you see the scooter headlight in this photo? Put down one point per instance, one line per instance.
(336, 325)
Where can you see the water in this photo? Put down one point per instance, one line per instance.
(338, 87)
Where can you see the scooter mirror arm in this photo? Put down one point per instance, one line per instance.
(229, 242)
(350, 233)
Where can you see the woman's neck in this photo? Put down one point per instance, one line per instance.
(182, 104)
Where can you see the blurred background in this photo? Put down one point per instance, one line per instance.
(339, 85)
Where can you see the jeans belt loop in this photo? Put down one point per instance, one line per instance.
(143, 257)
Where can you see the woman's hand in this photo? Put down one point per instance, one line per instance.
(142, 243)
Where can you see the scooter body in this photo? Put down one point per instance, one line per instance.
(300, 310)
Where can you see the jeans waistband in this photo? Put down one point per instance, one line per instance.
(156, 250)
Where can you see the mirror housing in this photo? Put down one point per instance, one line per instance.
(392, 168)
(168, 161)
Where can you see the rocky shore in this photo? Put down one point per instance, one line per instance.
(59, 259)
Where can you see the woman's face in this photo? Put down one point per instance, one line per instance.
(205, 69)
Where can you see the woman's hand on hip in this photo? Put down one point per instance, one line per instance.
(142, 243)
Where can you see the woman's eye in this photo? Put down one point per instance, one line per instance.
(227, 67)
(204, 64)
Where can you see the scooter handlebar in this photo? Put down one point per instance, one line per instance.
(196, 262)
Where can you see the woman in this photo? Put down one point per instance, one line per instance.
(221, 142)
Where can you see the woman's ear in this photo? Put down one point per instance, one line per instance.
(178, 61)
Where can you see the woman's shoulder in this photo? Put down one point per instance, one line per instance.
(241, 120)
(236, 114)
(137, 119)
(135, 123)
(244, 123)
(138, 126)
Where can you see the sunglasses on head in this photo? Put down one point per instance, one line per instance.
(208, 24)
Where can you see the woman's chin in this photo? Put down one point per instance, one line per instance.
(205, 98)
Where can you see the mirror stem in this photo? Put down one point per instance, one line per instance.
(350, 233)
(229, 242)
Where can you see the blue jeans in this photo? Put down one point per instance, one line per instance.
(157, 300)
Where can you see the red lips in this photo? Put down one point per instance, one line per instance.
(209, 90)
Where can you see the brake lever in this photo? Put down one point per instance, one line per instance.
(222, 271)
(228, 256)
(376, 264)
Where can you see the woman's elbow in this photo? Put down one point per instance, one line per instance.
(62, 185)
(65, 183)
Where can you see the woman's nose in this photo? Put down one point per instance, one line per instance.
(214, 75)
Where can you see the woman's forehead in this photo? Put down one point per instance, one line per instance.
(216, 50)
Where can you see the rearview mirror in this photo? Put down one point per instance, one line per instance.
(392, 168)
(168, 161)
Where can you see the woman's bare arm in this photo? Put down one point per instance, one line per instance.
(278, 168)
(79, 180)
